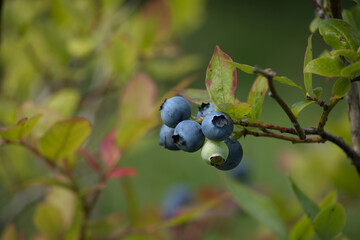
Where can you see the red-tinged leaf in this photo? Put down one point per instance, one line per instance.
(121, 172)
(221, 78)
(137, 99)
(256, 96)
(90, 159)
(109, 152)
(196, 96)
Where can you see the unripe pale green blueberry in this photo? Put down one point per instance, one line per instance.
(214, 153)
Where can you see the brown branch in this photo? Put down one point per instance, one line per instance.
(273, 93)
(325, 114)
(323, 137)
(282, 137)
(335, 9)
(318, 9)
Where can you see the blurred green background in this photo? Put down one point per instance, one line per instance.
(95, 47)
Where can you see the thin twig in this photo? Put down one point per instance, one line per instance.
(326, 113)
(282, 137)
(273, 93)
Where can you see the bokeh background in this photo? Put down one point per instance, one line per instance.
(75, 58)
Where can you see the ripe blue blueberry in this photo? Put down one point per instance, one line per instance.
(174, 110)
(217, 126)
(166, 139)
(235, 154)
(205, 109)
(188, 136)
(242, 172)
(177, 197)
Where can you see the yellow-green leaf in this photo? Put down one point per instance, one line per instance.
(21, 130)
(221, 78)
(325, 66)
(349, 54)
(243, 67)
(48, 220)
(309, 206)
(341, 87)
(287, 81)
(296, 108)
(330, 221)
(338, 34)
(64, 138)
(237, 110)
(302, 230)
(351, 70)
(256, 96)
(308, 76)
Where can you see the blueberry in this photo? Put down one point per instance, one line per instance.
(176, 198)
(235, 154)
(217, 126)
(242, 172)
(214, 153)
(166, 138)
(188, 136)
(205, 109)
(174, 110)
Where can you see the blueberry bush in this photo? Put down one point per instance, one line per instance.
(83, 83)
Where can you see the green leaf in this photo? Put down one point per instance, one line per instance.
(315, 23)
(287, 81)
(48, 220)
(256, 96)
(318, 91)
(341, 87)
(308, 76)
(221, 78)
(330, 221)
(325, 66)
(196, 96)
(302, 230)
(21, 130)
(258, 206)
(296, 108)
(349, 54)
(310, 208)
(338, 34)
(330, 199)
(64, 138)
(237, 110)
(243, 67)
(351, 70)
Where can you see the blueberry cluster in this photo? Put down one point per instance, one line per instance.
(219, 149)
